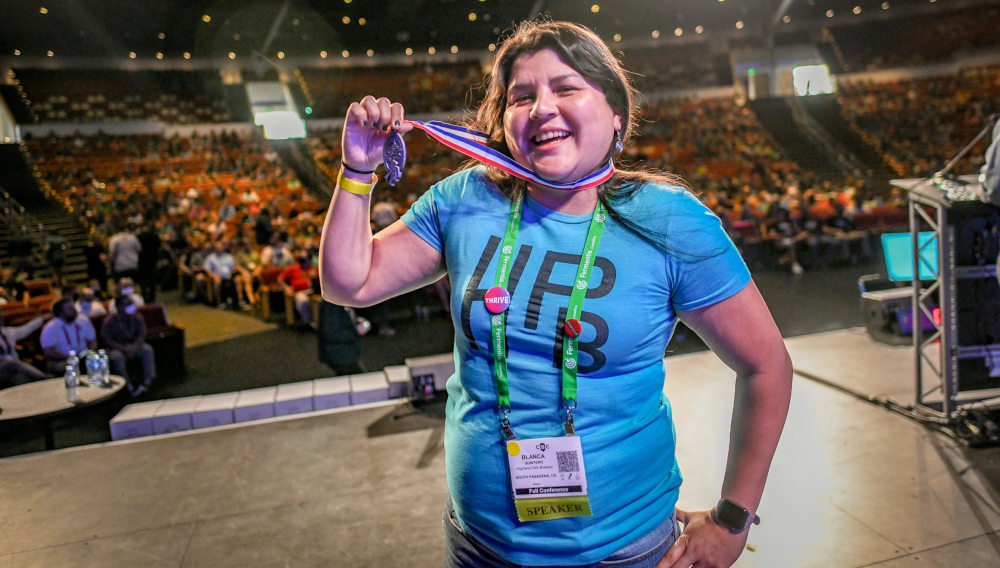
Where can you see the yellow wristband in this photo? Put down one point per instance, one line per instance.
(355, 187)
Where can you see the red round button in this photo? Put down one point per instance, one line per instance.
(497, 300)
(572, 327)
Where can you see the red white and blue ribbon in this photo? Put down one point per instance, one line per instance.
(473, 143)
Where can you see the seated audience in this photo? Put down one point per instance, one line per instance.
(67, 331)
(221, 268)
(276, 253)
(14, 371)
(126, 287)
(297, 280)
(124, 332)
(88, 305)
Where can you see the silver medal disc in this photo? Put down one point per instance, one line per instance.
(394, 157)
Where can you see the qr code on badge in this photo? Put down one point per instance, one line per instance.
(568, 462)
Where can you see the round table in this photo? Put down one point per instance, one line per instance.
(44, 400)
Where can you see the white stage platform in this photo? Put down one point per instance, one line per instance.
(852, 484)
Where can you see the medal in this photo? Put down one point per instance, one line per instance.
(394, 157)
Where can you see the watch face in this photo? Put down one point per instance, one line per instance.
(731, 515)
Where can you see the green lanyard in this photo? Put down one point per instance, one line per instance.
(498, 322)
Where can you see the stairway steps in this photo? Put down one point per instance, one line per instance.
(18, 178)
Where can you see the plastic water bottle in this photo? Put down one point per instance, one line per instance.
(70, 378)
(74, 360)
(94, 374)
(102, 356)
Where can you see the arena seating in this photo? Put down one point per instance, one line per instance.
(919, 39)
(107, 95)
(919, 125)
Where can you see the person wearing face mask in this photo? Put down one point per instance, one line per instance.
(569, 273)
(67, 331)
(126, 287)
(124, 332)
(88, 305)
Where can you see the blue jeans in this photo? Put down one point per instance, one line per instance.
(464, 551)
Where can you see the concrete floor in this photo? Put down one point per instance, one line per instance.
(852, 484)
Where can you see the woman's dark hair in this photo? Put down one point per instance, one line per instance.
(585, 52)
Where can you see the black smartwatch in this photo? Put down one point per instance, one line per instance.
(733, 517)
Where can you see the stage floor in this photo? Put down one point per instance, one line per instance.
(852, 484)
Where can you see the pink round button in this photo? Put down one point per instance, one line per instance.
(497, 300)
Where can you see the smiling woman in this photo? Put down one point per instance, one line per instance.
(557, 123)
(559, 440)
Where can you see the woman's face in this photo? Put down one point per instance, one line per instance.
(557, 122)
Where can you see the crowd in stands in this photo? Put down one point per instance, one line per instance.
(920, 125)
(213, 186)
(918, 39)
(226, 201)
(209, 212)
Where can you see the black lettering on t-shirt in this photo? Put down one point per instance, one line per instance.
(475, 293)
(544, 285)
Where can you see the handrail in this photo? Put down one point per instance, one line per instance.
(16, 218)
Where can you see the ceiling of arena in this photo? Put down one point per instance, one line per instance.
(349, 28)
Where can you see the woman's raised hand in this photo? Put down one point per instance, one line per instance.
(366, 126)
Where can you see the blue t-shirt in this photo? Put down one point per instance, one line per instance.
(622, 417)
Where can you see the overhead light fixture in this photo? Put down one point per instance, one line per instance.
(187, 55)
(472, 16)
(323, 54)
(206, 18)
